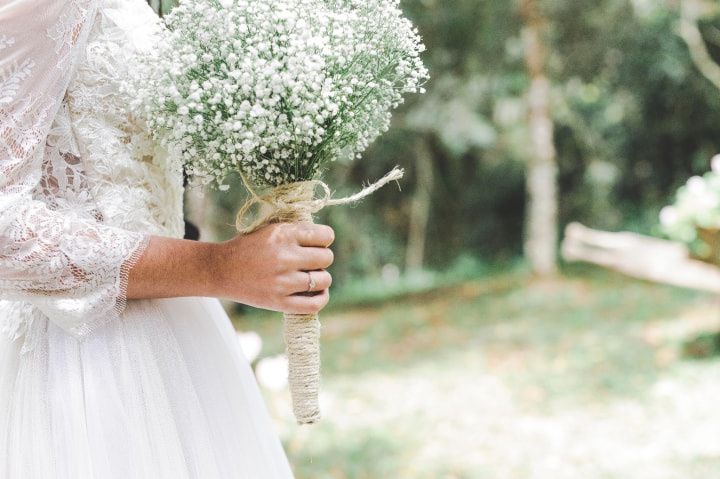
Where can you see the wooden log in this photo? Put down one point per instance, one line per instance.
(640, 256)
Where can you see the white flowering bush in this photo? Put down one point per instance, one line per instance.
(276, 89)
(696, 207)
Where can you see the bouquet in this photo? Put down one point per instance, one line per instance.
(274, 91)
(694, 218)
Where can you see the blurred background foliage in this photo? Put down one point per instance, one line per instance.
(633, 118)
(567, 377)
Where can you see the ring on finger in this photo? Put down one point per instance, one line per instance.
(311, 282)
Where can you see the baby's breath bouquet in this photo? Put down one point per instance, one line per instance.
(274, 90)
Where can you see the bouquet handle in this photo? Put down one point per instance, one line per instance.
(294, 203)
(302, 346)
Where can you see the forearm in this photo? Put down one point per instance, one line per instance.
(170, 268)
(268, 268)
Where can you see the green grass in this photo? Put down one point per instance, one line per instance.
(400, 371)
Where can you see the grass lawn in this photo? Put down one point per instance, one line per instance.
(510, 377)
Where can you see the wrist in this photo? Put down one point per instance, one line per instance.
(212, 261)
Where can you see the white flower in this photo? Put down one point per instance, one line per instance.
(715, 163)
(696, 185)
(277, 90)
(668, 216)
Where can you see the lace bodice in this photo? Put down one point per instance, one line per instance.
(81, 184)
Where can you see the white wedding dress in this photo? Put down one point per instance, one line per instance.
(93, 385)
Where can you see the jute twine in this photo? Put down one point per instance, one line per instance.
(295, 203)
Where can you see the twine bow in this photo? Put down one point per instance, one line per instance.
(295, 201)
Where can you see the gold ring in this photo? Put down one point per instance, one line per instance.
(311, 282)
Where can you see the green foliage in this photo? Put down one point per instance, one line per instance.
(643, 112)
(634, 118)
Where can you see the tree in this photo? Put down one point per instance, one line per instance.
(542, 171)
(420, 206)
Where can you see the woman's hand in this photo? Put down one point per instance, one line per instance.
(269, 268)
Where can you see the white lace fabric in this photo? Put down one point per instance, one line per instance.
(94, 386)
(82, 188)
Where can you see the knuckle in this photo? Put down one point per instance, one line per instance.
(304, 235)
(279, 234)
(285, 228)
(277, 228)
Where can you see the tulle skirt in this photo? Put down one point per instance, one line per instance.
(165, 392)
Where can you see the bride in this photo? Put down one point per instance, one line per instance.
(116, 357)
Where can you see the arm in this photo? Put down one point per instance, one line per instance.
(77, 270)
(73, 269)
(266, 269)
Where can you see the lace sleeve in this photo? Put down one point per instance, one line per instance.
(73, 269)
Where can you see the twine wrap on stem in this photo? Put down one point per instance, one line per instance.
(294, 203)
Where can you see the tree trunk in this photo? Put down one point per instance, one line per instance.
(420, 207)
(541, 235)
